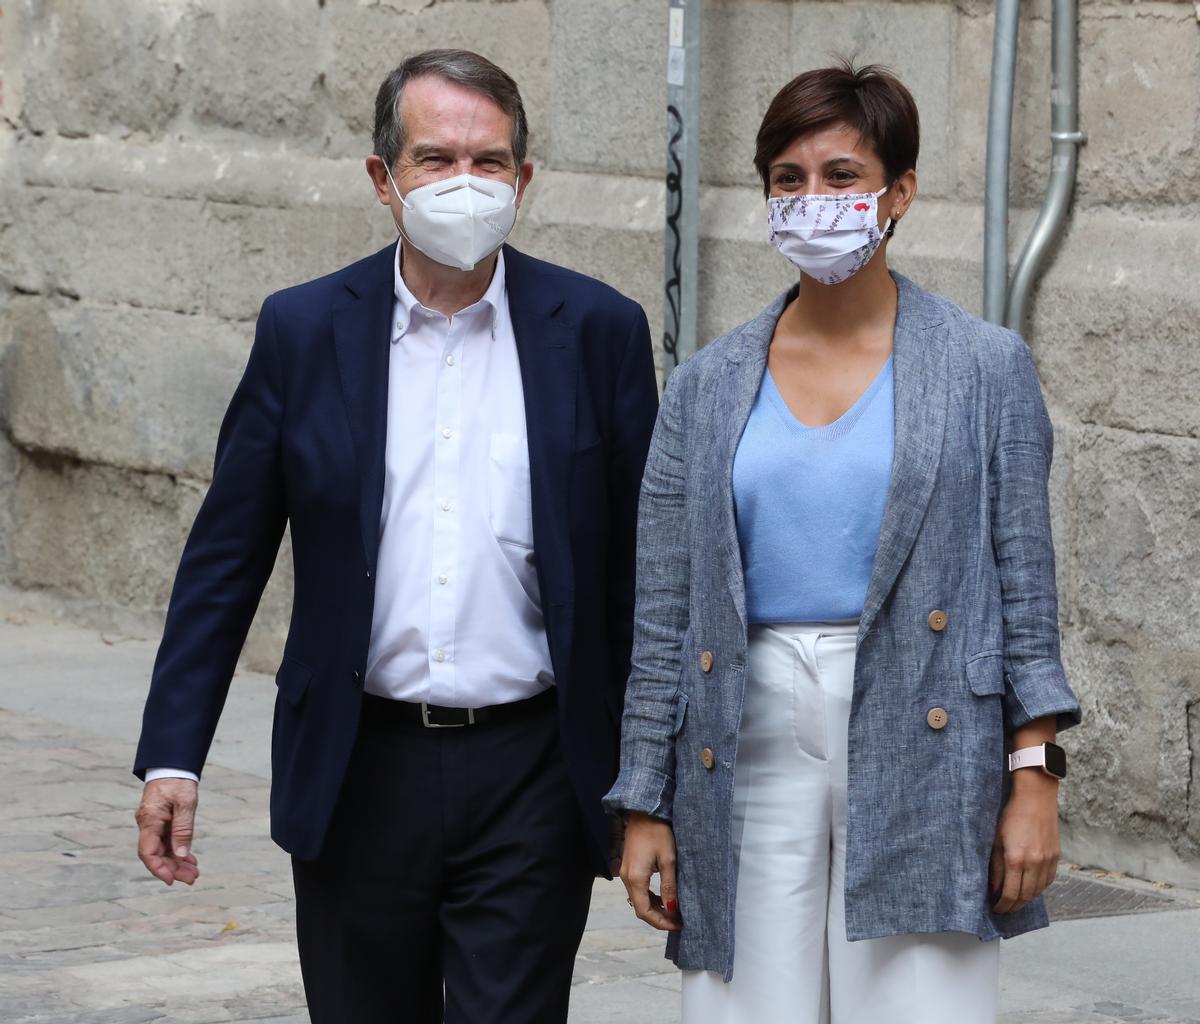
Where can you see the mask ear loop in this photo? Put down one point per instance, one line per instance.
(889, 229)
(403, 202)
(400, 223)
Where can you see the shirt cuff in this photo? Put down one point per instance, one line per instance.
(170, 773)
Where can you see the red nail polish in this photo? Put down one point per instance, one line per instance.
(671, 906)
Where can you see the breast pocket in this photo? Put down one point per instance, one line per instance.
(509, 508)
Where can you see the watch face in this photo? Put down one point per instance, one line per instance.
(1056, 760)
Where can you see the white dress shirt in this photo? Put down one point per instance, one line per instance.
(458, 614)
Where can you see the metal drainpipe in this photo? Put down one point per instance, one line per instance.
(999, 142)
(681, 240)
(1066, 139)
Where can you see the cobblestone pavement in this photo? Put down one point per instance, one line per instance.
(87, 937)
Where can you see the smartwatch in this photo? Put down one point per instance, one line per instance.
(1050, 757)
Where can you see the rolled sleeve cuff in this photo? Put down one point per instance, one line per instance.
(642, 789)
(1036, 689)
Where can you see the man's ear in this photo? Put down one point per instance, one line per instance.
(524, 174)
(377, 172)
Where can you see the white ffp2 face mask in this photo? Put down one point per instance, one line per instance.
(458, 221)
(830, 238)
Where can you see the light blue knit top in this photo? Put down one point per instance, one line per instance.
(809, 504)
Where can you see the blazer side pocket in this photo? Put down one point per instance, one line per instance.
(292, 680)
(985, 674)
(681, 704)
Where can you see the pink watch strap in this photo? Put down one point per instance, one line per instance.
(1027, 757)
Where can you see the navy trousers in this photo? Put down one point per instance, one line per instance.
(454, 883)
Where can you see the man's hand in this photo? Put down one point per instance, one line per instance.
(165, 819)
(1025, 855)
(650, 848)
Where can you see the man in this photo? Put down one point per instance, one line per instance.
(455, 434)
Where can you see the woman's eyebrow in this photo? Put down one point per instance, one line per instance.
(839, 161)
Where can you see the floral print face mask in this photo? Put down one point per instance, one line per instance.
(830, 238)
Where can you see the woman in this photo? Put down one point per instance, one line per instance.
(846, 619)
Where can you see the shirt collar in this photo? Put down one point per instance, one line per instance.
(492, 302)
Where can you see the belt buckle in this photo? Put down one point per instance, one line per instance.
(445, 725)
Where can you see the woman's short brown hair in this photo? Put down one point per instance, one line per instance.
(870, 100)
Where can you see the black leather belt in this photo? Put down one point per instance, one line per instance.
(434, 716)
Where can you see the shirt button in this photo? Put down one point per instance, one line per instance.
(706, 662)
(439, 655)
(447, 433)
(708, 758)
(443, 579)
(937, 718)
(937, 620)
(449, 360)
(445, 506)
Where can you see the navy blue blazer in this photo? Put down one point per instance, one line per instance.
(302, 444)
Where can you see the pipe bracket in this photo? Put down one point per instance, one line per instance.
(1079, 138)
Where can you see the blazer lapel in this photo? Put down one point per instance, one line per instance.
(362, 338)
(730, 398)
(919, 363)
(548, 354)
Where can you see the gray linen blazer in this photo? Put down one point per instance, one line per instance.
(966, 531)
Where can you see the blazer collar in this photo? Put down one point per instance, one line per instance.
(734, 383)
(547, 350)
(921, 381)
(362, 335)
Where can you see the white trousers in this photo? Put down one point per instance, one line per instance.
(792, 962)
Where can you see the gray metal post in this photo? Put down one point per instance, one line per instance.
(682, 239)
(1066, 138)
(999, 142)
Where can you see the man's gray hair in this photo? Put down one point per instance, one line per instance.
(462, 67)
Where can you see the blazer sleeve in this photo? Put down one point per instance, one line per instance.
(1019, 473)
(225, 566)
(647, 777)
(635, 404)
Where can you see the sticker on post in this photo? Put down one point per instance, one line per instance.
(676, 61)
(676, 27)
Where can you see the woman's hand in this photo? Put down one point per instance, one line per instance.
(1025, 854)
(650, 849)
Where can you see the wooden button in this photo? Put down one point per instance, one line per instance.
(706, 661)
(937, 620)
(708, 758)
(937, 718)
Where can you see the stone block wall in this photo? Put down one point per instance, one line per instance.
(165, 164)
